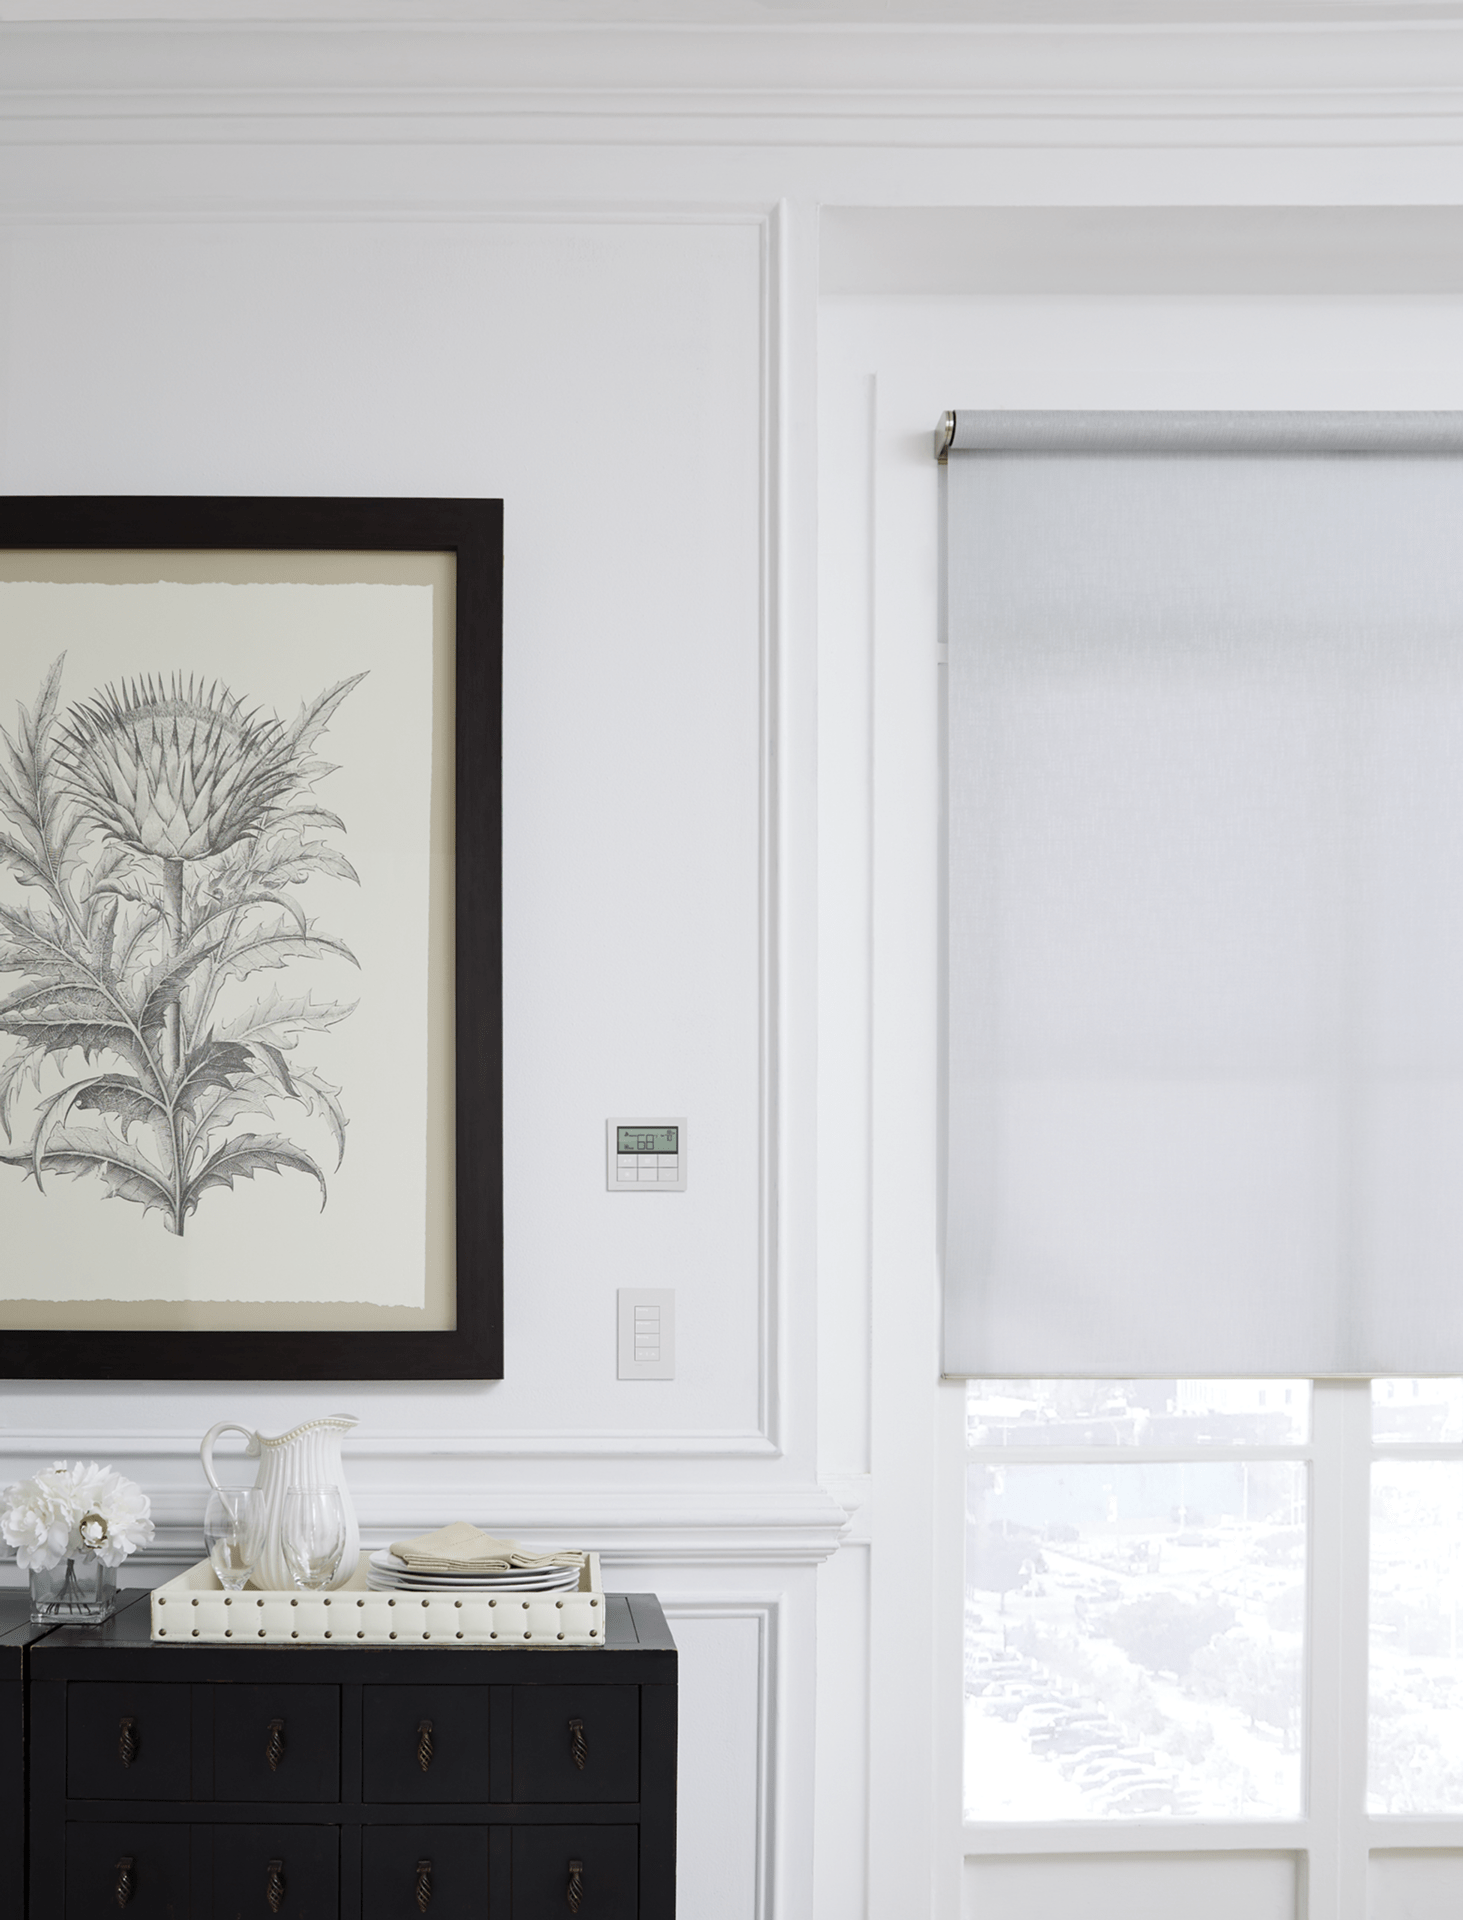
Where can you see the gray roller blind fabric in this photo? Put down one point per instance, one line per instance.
(1205, 966)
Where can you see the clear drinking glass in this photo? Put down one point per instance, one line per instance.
(233, 1532)
(313, 1535)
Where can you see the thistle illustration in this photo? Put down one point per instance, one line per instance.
(164, 821)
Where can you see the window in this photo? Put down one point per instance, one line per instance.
(1415, 1708)
(1136, 1599)
(1166, 1632)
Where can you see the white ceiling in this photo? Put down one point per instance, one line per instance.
(759, 13)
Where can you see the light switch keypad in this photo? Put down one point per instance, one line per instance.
(647, 1333)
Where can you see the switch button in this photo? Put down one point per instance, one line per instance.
(647, 1333)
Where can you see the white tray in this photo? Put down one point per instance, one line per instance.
(194, 1607)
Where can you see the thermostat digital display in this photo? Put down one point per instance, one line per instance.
(648, 1139)
(646, 1156)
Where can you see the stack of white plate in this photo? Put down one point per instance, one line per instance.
(387, 1574)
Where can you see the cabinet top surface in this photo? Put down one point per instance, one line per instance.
(635, 1625)
(16, 1630)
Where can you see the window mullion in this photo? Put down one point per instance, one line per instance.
(1340, 1495)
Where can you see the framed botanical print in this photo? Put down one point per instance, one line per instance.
(250, 941)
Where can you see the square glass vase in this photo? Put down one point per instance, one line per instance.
(77, 1593)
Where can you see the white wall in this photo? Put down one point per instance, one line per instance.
(604, 375)
(580, 270)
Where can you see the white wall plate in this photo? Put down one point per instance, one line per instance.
(647, 1333)
(645, 1156)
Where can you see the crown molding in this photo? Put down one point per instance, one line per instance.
(919, 85)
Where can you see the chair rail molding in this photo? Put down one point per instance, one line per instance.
(38, 1444)
(786, 1526)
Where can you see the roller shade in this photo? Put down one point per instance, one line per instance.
(1205, 894)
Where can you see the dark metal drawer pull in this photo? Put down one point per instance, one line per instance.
(274, 1747)
(424, 1885)
(578, 1745)
(274, 1886)
(127, 1742)
(576, 1885)
(124, 1886)
(424, 1744)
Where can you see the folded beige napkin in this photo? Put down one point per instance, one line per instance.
(464, 1548)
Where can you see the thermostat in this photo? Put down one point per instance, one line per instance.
(645, 1156)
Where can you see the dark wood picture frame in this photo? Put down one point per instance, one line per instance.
(472, 530)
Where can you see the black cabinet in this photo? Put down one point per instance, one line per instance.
(276, 1873)
(135, 1865)
(576, 1743)
(278, 1742)
(129, 1742)
(427, 1743)
(552, 1865)
(447, 1867)
(176, 1781)
(16, 1635)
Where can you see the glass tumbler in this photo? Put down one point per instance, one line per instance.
(313, 1535)
(233, 1532)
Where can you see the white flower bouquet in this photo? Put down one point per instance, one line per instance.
(85, 1513)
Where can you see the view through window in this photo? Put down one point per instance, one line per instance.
(1136, 1599)
(1139, 1590)
(1415, 1722)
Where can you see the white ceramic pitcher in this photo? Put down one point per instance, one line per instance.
(306, 1456)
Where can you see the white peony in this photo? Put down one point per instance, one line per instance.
(117, 1518)
(70, 1512)
(35, 1526)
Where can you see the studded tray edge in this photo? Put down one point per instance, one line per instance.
(194, 1609)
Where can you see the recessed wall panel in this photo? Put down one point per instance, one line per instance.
(605, 378)
(1414, 1886)
(1212, 1886)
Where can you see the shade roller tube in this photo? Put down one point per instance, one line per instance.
(1017, 430)
(1205, 895)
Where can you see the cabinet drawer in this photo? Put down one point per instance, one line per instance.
(126, 1742)
(426, 1745)
(576, 1743)
(249, 1863)
(276, 1743)
(141, 1870)
(604, 1861)
(440, 1871)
